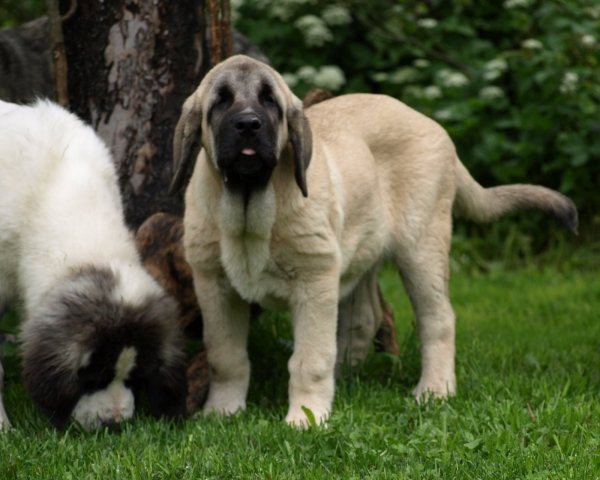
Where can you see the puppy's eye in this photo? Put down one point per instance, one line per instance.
(224, 97)
(269, 99)
(266, 97)
(221, 100)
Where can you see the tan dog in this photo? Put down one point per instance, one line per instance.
(294, 211)
(160, 243)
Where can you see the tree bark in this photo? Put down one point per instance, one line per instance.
(58, 53)
(131, 66)
(220, 28)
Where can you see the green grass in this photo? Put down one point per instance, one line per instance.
(528, 368)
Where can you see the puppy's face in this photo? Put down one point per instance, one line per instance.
(243, 114)
(243, 127)
(89, 354)
(108, 396)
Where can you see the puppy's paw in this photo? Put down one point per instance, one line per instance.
(5, 426)
(304, 417)
(224, 408)
(442, 389)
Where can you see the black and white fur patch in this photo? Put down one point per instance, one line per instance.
(88, 352)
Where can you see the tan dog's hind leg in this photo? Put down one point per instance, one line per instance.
(359, 318)
(385, 339)
(4, 422)
(226, 327)
(312, 364)
(424, 268)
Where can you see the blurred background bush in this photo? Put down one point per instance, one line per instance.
(516, 83)
(16, 12)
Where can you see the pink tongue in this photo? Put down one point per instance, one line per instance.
(248, 151)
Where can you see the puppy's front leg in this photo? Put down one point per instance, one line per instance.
(4, 422)
(311, 366)
(226, 322)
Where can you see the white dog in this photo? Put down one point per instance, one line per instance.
(95, 326)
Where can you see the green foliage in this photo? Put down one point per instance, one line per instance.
(16, 12)
(9, 323)
(516, 83)
(527, 406)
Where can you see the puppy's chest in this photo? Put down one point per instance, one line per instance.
(254, 268)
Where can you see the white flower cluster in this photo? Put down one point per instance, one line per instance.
(380, 77)
(432, 92)
(491, 92)
(427, 23)
(494, 68)
(336, 15)
(402, 75)
(442, 115)
(593, 12)
(569, 82)
(330, 77)
(307, 73)
(532, 44)
(450, 78)
(412, 91)
(509, 4)
(588, 40)
(282, 9)
(290, 78)
(314, 30)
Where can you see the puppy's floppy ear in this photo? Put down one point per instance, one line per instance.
(186, 141)
(163, 369)
(300, 136)
(50, 381)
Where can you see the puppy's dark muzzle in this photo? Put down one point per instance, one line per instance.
(247, 164)
(245, 133)
(247, 150)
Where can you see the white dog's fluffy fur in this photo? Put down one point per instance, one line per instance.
(88, 307)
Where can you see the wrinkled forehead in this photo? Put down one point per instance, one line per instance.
(244, 80)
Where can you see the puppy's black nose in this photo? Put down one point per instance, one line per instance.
(247, 125)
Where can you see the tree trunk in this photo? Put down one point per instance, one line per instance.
(131, 66)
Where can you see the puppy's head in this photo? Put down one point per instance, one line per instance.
(89, 352)
(243, 114)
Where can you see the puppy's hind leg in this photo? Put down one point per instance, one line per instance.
(4, 422)
(424, 267)
(359, 317)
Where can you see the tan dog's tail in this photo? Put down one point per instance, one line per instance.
(486, 204)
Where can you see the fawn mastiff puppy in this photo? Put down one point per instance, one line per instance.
(160, 243)
(294, 210)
